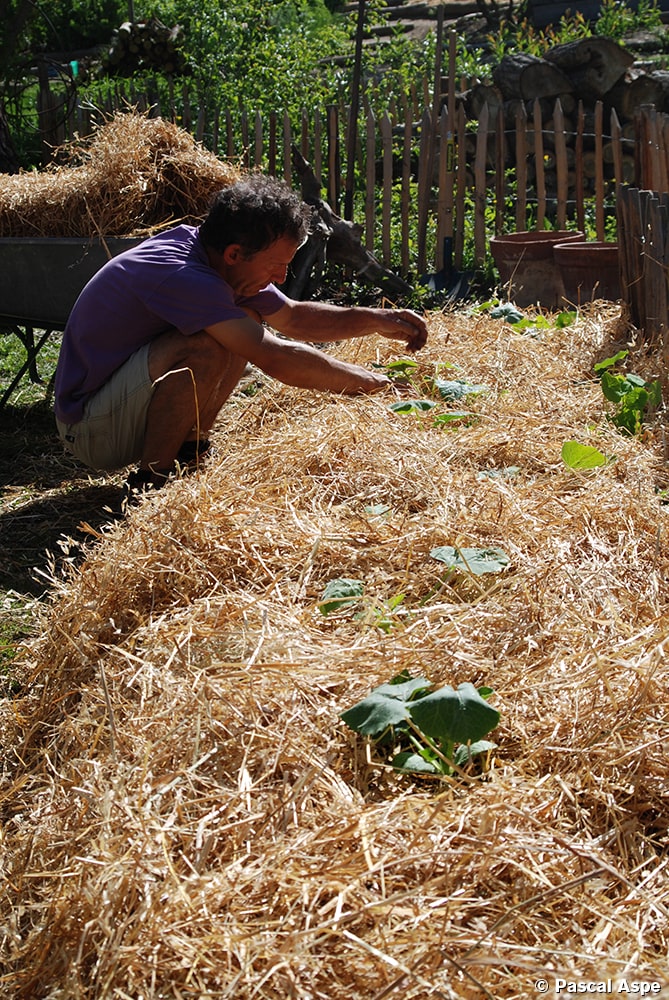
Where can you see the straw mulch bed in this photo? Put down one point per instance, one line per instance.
(186, 816)
(134, 174)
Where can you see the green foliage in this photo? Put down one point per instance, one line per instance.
(582, 456)
(424, 730)
(631, 394)
(615, 20)
(471, 560)
(432, 392)
(340, 594)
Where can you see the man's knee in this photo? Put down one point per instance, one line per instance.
(200, 355)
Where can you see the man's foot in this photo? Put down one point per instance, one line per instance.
(192, 453)
(141, 482)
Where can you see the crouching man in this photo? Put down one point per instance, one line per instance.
(160, 336)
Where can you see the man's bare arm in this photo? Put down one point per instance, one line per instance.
(293, 363)
(319, 322)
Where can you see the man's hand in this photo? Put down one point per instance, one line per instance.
(321, 322)
(402, 324)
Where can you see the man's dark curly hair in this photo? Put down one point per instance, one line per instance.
(255, 212)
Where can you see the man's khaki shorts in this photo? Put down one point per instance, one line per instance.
(111, 433)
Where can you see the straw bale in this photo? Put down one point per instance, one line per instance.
(186, 815)
(133, 175)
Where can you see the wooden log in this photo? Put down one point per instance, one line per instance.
(528, 77)
(480, 95)
(639, 88)
(594, 65)
(344, 239)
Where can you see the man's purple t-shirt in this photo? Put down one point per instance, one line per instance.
(164, 283)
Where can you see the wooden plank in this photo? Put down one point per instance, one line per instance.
(654, 280)
(579, 174)
(461, 189)
(623, 243)
(258, 140)
(447, 180)
(245, 138)
(500, 172)
(539, 164)
(480, 192)
(616, 147)
(599, 171)
(521, 168)
(424, 187)
(561, 168)
(370, 192)
(407, 143)
(229, 135)
(272, 145)
(334, 170)
(386, 129)
(287, 149)
(318, 143)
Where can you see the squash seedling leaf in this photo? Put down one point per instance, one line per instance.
(476, 561)
(456, 716)
(601, 366)
(454, 389)
(452, 417)
(564, 319)
(339, 594)
(412, 406)
(403, 689)
(408, 760)
(375, 714)
(582, 456)
(465, 752)
(507, 311)
(387, 705)
(403, 366)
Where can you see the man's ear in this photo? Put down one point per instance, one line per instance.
(233, 253)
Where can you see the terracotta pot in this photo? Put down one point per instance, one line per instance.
(590, 270)
(527, 268)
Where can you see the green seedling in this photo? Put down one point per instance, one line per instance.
(385, 615)
(474, 561)
(452, 390)
(412, 406)
(341, 595)
(582, 456)
(422, 730)
(521, 323)
(631, 394)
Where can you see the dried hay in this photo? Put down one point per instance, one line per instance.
(187, 816)
(133, 175)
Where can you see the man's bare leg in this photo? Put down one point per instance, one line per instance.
(194, 376)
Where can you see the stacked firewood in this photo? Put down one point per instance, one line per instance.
(585, 76)
(144, 45)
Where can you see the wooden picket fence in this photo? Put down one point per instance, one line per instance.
(421, 172)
